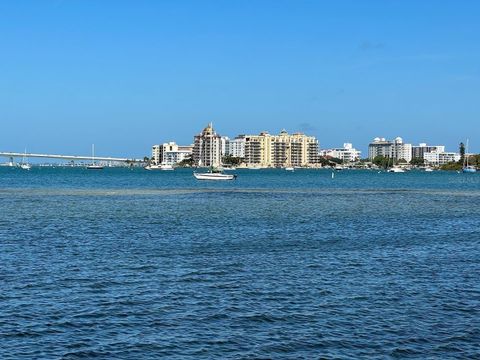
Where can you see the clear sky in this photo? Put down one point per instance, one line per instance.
(128, 74)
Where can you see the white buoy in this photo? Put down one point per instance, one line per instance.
(333, 175)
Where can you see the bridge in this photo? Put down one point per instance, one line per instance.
(12, 155)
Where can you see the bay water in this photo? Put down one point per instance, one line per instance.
(134, 264)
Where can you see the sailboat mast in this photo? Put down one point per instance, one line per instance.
(466, 154)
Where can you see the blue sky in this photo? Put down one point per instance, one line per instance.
(127, 74)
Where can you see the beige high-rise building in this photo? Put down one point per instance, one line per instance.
(207, 148)
(283, 150)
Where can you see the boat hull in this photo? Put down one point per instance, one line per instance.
(159, 167)
(469, 170)
(214, 176)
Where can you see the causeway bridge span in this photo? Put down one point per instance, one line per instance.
(13, 155)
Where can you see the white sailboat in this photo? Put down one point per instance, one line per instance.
(466, 167)
(93, 165)
(164, 167)
(213, 173)
(288, 166)
(25, 165)
(396, 169)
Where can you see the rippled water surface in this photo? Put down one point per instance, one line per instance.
(130, 264)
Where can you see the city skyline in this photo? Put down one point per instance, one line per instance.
(124, 75)
(362, 146)
(287, 150)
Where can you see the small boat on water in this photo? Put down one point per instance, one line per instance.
(469, 169)
(94, 165)
(214, 174)
(25, 165)
(289, 168)
(466, 167)
(163, 167)
(396, 169)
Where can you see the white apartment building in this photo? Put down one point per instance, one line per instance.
(170, 153)
(347, 154)
(439, 158)
(237, 147)
(224, 145)
(395, 149)
(207, 149)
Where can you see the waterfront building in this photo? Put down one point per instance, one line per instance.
(170, 153)
(207, 150)
(439, 158)
(282, 150)
(347, 154)
(258, 150)
(395, 149)
(237, 147)
(422, 148)
(224, 145)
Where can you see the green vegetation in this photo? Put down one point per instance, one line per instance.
(455, 166)
(383, 162)
(462, 152)
(473, 160)
(232, 160)
(329, 161)
(187, 162)
(417, 162)
(336, 160)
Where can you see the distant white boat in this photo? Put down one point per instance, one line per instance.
(396, 169)
(25, 165)
(428, 169)
(466, 167)
(469, 169)
(164, 167)
(230, 168)
(289, 168)
(93, 165)
(214, 175)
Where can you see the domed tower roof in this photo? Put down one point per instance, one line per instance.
(208, 130)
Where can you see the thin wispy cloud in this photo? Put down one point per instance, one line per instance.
(368, 46)
(306, 127)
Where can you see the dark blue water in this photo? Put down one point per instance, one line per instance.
(121, 264)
